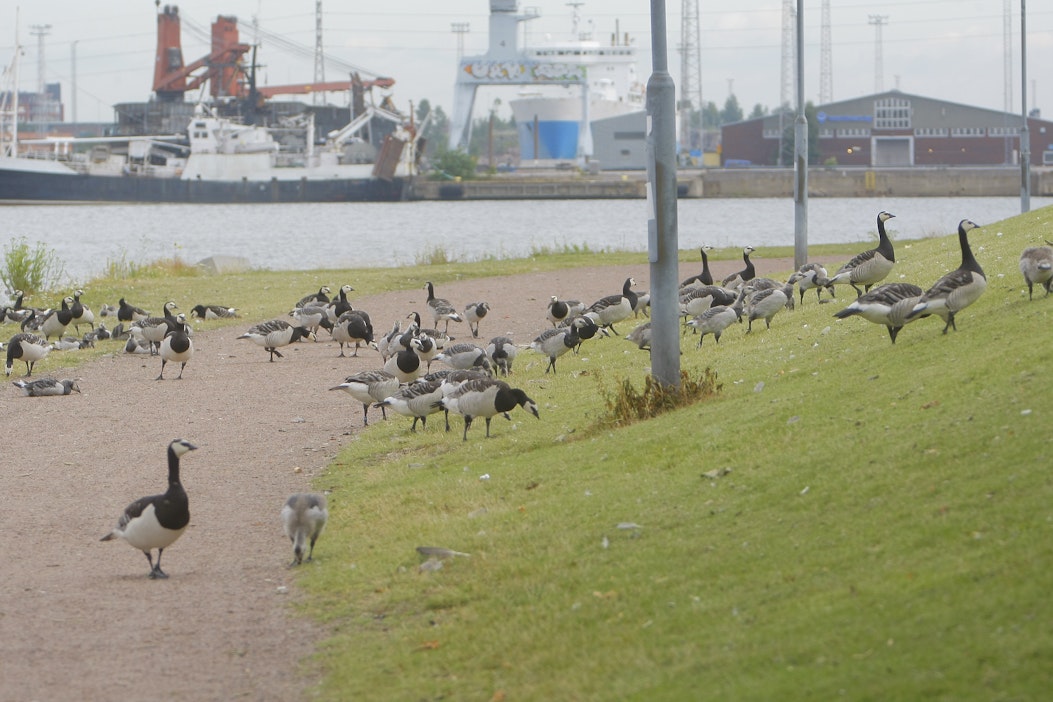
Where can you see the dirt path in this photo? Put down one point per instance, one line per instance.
(79, 619)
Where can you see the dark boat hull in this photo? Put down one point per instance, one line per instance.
(29, 186)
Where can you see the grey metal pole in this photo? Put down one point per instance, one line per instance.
(661, 227)
(800, 156)
(1025, 134)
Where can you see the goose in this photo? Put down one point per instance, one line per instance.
(562, 310)
(486, 398)
(696, 300)
(303, 517)
(765, 304)
(67, 343)
(1036, 265)
(311, 316)
(101, 332)
(82, 314)
(641, 336)
(474, 313)
(321, 296)
(213, 312)
(703, 278)
(887, 304)
(136, 345)
(811, 276)
(45, 387)
(353, 327)
(870, 267)
(956, 290)
(406, 364)
(153, 329)
(16, 312)
(452, 379)
(157, 521)
(130, 313)
(387, 344)
(441, 308)
(586, 328)
(274, 334)
(609, 310)
(643, 304)
(28, 348)
(340, 305)
(715, 320)
(555, 342)
(176, 347)
(368, 387)
(501, 351)
(418, 400)
(747, 274)
(464, 356)
(55, 322)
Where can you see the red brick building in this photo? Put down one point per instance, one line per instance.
(895, 129)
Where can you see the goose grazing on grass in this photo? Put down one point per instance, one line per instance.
(501, 351)
(887, 304)
(703, 278)
(322, 296)
(274, 334)
(441, 309)
(609, 310)
(464, 356)
(715, 320)
(811, 276)
(697, 299)
(176, 347)
(561, 310)
(641, 336)
(303, 517)
(130, 313)
(870, 267)
(486, 398)
(28, 348)
(368, 387)
(55, 322)
(417, 400)
(958, 289)
(46, 387)
(155, 522)
(765, 304)
(555, 342)
(213, 312)
(1036, 264)
(82, 314)
(736, 280)
(474, 313)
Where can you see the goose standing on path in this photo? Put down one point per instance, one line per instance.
(486, 398)
(887, 304)
(213, 312)
(46, 387)
(353, 327)
(441, 309)
(157, 521)
(303, 517)
(406, 364)
(153, 329)
(737, 280)
(274, 334)
(609, 310)
(958, 289)
(870, 267)
(368, 387)
(28, 348)
(176, 347)
(474, 313)
(1036, 264)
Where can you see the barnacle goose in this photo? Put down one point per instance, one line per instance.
(747, 274)
(82, 314)
(887, 304)
(213, 312)
(130, 313)
(1036, 265)
(464, 356)
(418, 400)
(303, 517)
(45, 387)
(55, 322)
(441, 308)
(641, 336)
(274, 334)
(474, 313)
(176, 346)
(28, 348)
(321, 296)
(353, 327)
(703, 278)
(870, 267)
(562, 310)
(956, 290)
(368, 387)
(609, 310)
(157, 521)
(715, 320)
(153, 329)
(501, 351)
(556, 342)
(486, 398)
(811, 276)
(406, 364)
(765, 304)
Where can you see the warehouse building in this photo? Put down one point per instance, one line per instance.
(893, 129)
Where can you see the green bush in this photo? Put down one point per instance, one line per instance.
(455, 164)
(30, 269)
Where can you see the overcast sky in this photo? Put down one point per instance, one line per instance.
(947, 49)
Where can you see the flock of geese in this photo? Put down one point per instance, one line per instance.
(469, 382)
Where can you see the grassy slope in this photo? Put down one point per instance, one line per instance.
(883, 532)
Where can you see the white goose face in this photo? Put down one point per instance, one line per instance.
(885, 216)
(181, 446)
(171, 305)
(968, 225)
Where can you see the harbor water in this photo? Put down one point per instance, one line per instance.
(352, 235)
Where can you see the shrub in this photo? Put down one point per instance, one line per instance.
(628, 404)
(30, 269)
(455, 164)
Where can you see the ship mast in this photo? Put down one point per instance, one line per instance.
(10, 149)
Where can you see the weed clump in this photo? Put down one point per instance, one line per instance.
(30, 269)
(627, 404)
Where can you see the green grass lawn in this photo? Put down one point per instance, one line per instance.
(845, 519)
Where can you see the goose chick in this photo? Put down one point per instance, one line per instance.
(1036, 265)
(303, 517)
(275, 334)
(958, 289)
(641, 336)
(441, 309)
(887, 304)
(156, 521)
(870, 267)
(46, 387)
(486, 398)
(368, 387)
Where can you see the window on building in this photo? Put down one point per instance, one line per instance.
(968, 131)
(853, 132)
(931, 131)
(892, 113)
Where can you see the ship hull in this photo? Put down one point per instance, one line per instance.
(548, 126)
